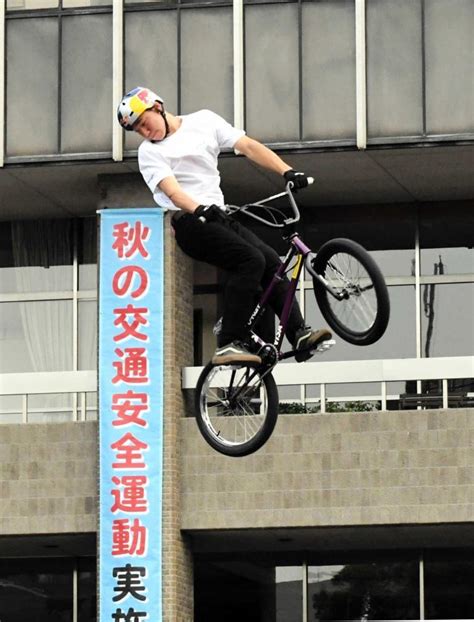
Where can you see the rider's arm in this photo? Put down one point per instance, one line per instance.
(261, 155)
(172, 189)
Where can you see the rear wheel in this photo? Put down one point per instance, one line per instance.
(360, 315)
(236, 407)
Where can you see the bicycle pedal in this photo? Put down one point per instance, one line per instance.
(325, 345)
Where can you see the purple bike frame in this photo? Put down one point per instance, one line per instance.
(298, 248)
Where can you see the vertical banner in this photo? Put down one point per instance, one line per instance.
(131, 277)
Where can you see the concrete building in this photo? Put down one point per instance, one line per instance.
(361, 505)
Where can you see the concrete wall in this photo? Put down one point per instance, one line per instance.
(48, 478)
(383, 468)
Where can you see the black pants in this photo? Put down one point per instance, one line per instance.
(249, 263)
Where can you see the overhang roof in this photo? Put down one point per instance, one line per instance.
(429, 173)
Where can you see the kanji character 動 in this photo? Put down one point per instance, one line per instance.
(129, 538)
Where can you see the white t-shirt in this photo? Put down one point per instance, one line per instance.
(190, 154)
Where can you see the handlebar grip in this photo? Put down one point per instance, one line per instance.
(310, 181)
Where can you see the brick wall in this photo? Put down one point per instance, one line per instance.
(177, 571)
(334, 470)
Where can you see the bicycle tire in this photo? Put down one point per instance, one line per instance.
(215, 416)
(336, 262)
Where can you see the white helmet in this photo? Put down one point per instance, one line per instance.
(134, 104)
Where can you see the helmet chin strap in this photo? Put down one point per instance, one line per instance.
(167, 126)
(163, 114)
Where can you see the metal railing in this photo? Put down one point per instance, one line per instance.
(76, 385)
(380, 371)
(81, 386)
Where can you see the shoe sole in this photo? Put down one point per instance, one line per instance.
(320, 345)
(236, 358)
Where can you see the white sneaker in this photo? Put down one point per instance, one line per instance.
(234, 352)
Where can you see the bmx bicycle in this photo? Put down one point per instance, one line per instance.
(236, 405)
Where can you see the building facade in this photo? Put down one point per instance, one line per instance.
(361, 505)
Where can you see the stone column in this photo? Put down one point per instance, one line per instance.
(178, 325)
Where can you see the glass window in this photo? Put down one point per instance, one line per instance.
(449, 32)
(271, 77)
(87, 340)
(328, 70)
(32, 86)
(247, 590)
(151, 35)
(388, 228)
(447, 261)
(70, 4)
(41, 259)
(87, 253)
(396, 262)
(86, 590)
(37, 590)
(16, 5)
(36, 256)
(86, 123)
(446, 321)
(36, 335)
(390, 345)
(363, 591)
(436, 256)
(148, 1)
(449, 579)
(207, 77)
(394, 68)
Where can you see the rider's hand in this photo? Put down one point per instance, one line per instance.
(297, 178)
(210, 213)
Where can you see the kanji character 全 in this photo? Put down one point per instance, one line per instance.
(129, 454)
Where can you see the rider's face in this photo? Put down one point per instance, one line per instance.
(151, 125)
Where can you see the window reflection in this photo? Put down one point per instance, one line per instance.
(37, 336)
(391, 345)
(363, 591)
(87, 253)
(15, 5)
(448, 586)
(446, 323)
(86, 601)
(248, 590)
(36, 590)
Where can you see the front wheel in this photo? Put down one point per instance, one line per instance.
(360, 311)
(236, 407)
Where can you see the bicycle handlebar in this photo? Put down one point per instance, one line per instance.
(287, 221)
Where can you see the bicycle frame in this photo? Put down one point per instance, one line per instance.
(304, 257)
(299, 250)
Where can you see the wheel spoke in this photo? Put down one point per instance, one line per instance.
(346, 274)
(234, 404)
